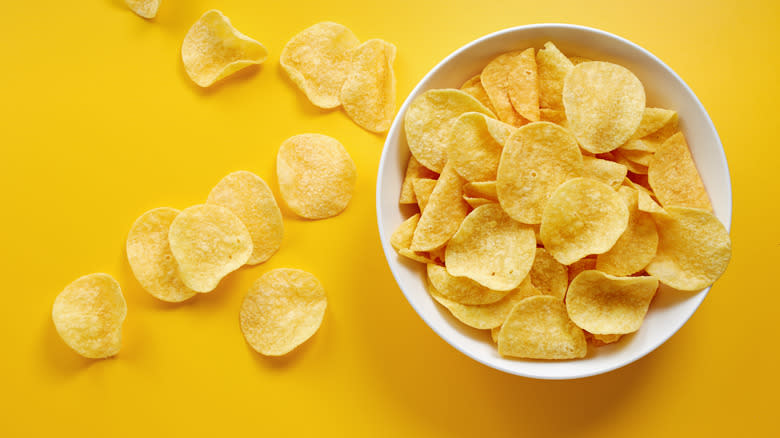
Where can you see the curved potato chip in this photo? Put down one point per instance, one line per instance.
(401, 240)
(282, 310)
(318, 60)
(144, 8)
(638, 157)
(586, 264)
(248, 197)
(674, 178)
(539, 328)
(553, 116)
(547, 275)
(608, 172)
(600, 340)
(482, 189)
(604, 104)
(151, 259)
(492, 249)
(639, 169)
(474, 146)
(88, 315)
(213, 49)
(494, 334)
(443, 213)
(524, 86)
(368, 93)
(653, 119)
(604, 304)
(694, 249)
(208, 242)
(638, 145)
(316, 175)
(413, 170)
(535, 161)
(461, 289)
(428, 122)
(583, 217)
(423, 188)
(578, 59)
(647, 204)
(552, 67)
(477, 202)
(474, 87)
(495, 79)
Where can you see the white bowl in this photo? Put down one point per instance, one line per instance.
(670, 309)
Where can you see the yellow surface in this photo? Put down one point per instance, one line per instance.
(99, 123)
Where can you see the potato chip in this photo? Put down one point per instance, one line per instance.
(639, 157)
(653, 119)
(401, 239)
(151, 259)
(423, 187)
(662, 134)
(214, 49)
(638, 145)
(443, 213)
(524, 86)
(495, 79)
(368, 93)
(483, 189)
(494, 334)
(647, 204)
(474, 87)
(282, 310)
(633, 167)
(437, 254)
(474, 145)
(578, 59)
(547, 275)
(208, 242)
(477, 202)
(609, 172)
(539, 328)
(428, 123)
(88, 315)
(604, 304)
(673, 176)
(535, 161)
(492, 249)
(552, 67)
(583, 217)
(694, 248)
(554, 116)
(580, 265)
(248, 197)
(413, 170)
(318, 60)
(604, 105)
(461, 289)
(600, 340)
(144, 8)
(638, 244)
(316, 175)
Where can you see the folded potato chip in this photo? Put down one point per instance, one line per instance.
(547, 275)
(443, 213)
(474, 87)
(144, 8)
(368, 93)
(474, 145)
(552, 68)
(674, 178)
(495, 79)
(461, 289)
(414, 170)
(608, 172)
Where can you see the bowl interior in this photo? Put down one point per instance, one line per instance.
(670, 309)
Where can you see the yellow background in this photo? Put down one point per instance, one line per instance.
(99, 123)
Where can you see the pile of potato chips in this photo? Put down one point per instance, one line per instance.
(552, 202)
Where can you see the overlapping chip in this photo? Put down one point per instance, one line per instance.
(495, 79)
(461, 290)
(144, 8)
(401, 240)
(443, 214)
(368, 92)
(483, 189)
(673, 176)
(423, 188)
(547, 275)
(524, 86)
(413, 170)
(474, 87)
(606, 171)
(474, 145)
(552, 68)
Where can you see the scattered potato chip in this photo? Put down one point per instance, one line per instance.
(609, 172)
(583, 217)
(423, 187)
(316, 175)
(495, 79)
(368, 93)
(604, 104)
(247, 196)
(524, 86)
(474, 87)
(208, 242)
(535, 161)
(578, 59)
(282, 310)
(318, 60)
(413, 170)
(584, 264)
(492, 249)
(144, 8)
(552, 68)
(88, 315)
(461, 289)
(673, 176)
(483, 189)
(477, 202)
(539, 328)
(428, 122)
(604, 304)
(151, 259)
(694, 248)
(547, 275)
(443, 213)
(214, 49)
(474, 145)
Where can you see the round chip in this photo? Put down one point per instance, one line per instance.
(208, 242)
(536, 159)
(583, 217)
(547, 275)
(316, 175)
(368, 93)
(144, 8)
(604, 304)
(88, 315)
(474, 146)
(604, 105)
(492, 249)
(282, 310)
(248, 197)
(694, 248)
(461, 289)
(151, 259)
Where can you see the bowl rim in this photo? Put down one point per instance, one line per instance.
(389, 251)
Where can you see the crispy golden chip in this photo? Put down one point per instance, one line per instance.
(673, 176)
(208, 242)
(318, 60)
(477, 202)
(554, 116)
(474, 145)
(661, 135)
(600, 340)
(151, 259)
(633, 167)
(604, 104)
(524, 86)
(316, 175)
(248, 197)
(495, 79)
(580, 265)
(401, 239)
(428, 122)
(578, 59)
(638, 145)
(368, 93)
(609, 172)
(414, 170)
(583, 217)
(443, 213)
(639, 157)
(88, 315)
(214, 49)
(461, 289)
(539, 328)
(423, 187)
(535, 161)
(647, 204)
(494, 334)
(694, 248)
(552, 68)
(653, 119)
(144, 8)
(474, 87)
(604, 304)
(547, 275)
(282, 310)
(492, 249)
(638, 244)
(484, 189)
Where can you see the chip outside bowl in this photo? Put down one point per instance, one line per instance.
(670, 309)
